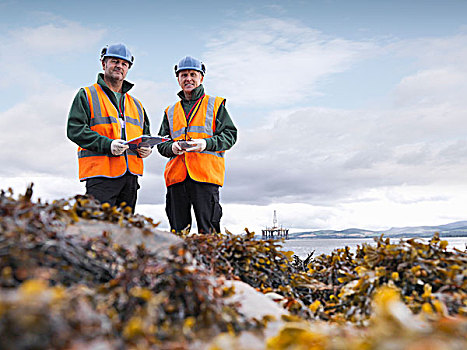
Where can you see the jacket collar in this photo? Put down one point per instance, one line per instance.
(125, 87)
(195, 95)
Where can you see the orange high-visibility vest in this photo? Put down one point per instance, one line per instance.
(206, 166)
(104, 120)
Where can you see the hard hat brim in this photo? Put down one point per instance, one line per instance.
(118, 56)
(189, 68)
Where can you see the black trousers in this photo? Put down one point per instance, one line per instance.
(204, 198)
(114, 190)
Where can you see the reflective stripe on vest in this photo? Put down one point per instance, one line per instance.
(206, 166)
(104, 120)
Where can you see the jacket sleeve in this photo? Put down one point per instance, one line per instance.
(165, 148)
(146, 125)
(78, 129)
(225, 135)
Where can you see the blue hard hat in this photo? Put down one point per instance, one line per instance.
(189, 62)
(118, 51)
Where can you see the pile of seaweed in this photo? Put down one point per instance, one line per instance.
(338, 286)
(391, 326)
(263, 265)
(428, 276)
(60, 291)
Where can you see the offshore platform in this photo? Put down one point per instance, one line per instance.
(275, 231)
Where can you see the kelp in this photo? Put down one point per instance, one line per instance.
(429, 276)
(392, 325)
(61, 291)
(338, 287)
(260, 263)
(138, 298)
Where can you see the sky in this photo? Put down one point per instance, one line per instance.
(349, 113)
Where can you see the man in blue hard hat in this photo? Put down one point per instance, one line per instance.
(102, 117)
(201, 130)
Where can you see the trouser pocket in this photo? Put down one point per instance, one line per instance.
(216, 211)
(168, 204)
(216, 214)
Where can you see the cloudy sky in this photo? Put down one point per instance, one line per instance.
(350, 113)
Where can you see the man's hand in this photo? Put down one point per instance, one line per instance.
(117, 147)
(144, 151)
(196, 145)
(176, 149)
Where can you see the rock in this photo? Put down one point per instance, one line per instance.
(252, 304)
(130, 237)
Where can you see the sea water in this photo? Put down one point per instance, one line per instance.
(304, 246)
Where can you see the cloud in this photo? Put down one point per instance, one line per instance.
(35, 55)
(317, 155)
(155, 97)
(56, 38)
(47, 188)
(447, 51)
(33, 121)
(429, 86)
(34, 139)
(328, 155)
(152, 183)
(276, 61)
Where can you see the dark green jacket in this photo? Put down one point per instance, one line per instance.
(224, 137)
(78, 129)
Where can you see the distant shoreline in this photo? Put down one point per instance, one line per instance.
(303, 247)
(453, 229)
(393, 236)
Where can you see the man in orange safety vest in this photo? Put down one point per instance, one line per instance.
(201, 130)
(102, 117)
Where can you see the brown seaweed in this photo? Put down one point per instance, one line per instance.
(60, 292)
(139, 299)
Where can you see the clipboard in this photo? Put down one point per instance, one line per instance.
(145, 141)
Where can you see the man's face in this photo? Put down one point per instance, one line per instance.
(115, 68)
(189, 80)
